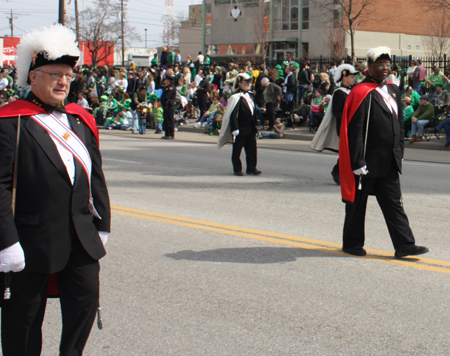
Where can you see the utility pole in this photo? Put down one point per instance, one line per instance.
(77, 24)
(123, 39)
(145, 38)
(62, 12)
(11, 20)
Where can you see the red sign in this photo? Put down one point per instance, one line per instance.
(9, 50)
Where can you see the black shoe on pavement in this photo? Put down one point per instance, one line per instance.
(335, 176)
(167, 137)
(240, 174)
(255, 172)
(447, 144)
(410, 250)
(355, 251)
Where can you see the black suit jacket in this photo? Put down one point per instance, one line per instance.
(242, 118)
(50, 212)
(385, 143)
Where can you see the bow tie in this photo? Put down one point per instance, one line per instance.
(59, 108)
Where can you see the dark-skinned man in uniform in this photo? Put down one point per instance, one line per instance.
(370, 158)
(168, 101)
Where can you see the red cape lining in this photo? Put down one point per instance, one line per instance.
(25, 108)
(354, 100)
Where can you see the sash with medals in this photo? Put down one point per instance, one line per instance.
(70, 141)
(388, 99)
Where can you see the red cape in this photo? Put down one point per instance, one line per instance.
(354, 100)
(25, 108)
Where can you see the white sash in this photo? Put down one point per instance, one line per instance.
(249, 101)
(388, 99)
(70, 141)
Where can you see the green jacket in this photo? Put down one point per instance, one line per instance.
(415, 97)
(425, 112)
(154, 61)
(158, 114)
(182, 91)
(407, 113)
(170, 58)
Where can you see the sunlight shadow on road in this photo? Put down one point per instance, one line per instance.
(247, 255)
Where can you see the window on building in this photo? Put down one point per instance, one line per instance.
(409, 47)
(231, 50)
(294, 15)
(222, 50)
(285, 15)
(276, 15)
(249, 48)
(240, 49)
(417, 48)
(208, 20)
(305, 18)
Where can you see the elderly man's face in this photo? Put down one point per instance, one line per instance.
(380, 69)
(51, 91)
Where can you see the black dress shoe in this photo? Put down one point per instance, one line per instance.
(355, 251)
(240, 174)
(255, 172)
(410, 250)
(167, 137)
(335, 176)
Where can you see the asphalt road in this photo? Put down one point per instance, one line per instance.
(201, 262)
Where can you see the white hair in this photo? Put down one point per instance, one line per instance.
(55, 41)
(375, 53)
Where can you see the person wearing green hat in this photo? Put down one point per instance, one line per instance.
(280, 77)
(285, 64)
(277, 67)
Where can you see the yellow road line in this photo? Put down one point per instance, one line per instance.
(305, 243)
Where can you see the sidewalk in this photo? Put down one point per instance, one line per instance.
(297, 139)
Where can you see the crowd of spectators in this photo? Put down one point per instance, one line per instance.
(287, 94)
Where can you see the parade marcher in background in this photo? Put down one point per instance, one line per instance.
(62, 211)
(370, 158)
(239, 126)
(168, 102)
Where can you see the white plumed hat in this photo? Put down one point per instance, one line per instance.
(54, 44)
(342, 71)
(378, 53)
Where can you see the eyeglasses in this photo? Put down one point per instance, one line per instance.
(383, 65)
(58, 76)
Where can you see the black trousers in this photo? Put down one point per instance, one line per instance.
(169, 125)
(270, 114)
(202, 103)
(388, 194)
(248, 142)
(336, 167)
(22, 315)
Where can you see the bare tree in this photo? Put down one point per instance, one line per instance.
(259, 27)
(349, 14)
(334, 40)
(101, 28)
(437, 36)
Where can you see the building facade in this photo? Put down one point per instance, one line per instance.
(191, 32)
(304, 28)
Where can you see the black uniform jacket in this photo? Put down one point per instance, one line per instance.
(169, 95)
(50, 211)
(242, 118)
(385, 143)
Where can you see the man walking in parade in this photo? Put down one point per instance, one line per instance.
(168, 101)
(239, 125)
(51, 169)
(370, 158)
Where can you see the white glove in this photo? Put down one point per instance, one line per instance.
(104, 237)
(235, 132)
(12, 258)
(361, 171)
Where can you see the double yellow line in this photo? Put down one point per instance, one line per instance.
(283, 239)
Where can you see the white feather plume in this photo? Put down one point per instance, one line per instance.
(338, 72)
(56, 41)
(374, 53)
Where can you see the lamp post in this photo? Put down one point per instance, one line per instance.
(145, 38)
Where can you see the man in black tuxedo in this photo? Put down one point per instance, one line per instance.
(371, 161)
(62, 213)
(243, 122)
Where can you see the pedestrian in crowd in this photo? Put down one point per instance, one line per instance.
(370, 158)
(419, 77)
(154, 61)
(422, 116)
(82, 101)
(408, 112)
(60, 219)
(164, 54)
(168, 102)
(272, 98)
(202, 93)
(239, 126)
(158, 115)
